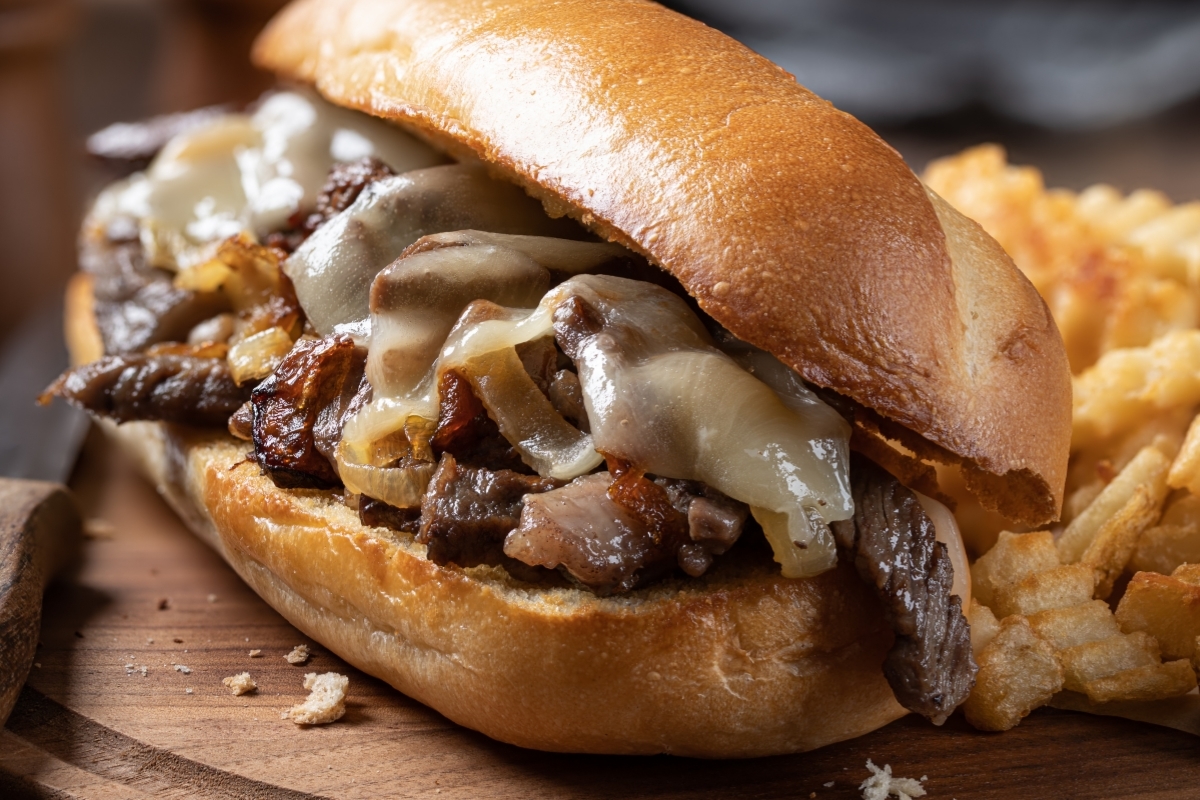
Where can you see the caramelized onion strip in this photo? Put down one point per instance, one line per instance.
(546, 441)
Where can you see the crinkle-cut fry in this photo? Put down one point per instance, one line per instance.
(1150, 682)
(1074, 625)
(1126, 386)
(1163, 241)
(1013, 557)
(1093, 660)
(1164, 607)
(1115, 542)
(1058, 587)
(1185, 469)
(984, 626)
(1113, 217)
(1148, 469)
(1018, 672)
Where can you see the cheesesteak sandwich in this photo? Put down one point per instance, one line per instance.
(572, 369)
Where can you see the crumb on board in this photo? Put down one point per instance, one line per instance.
(828, 785)
(298, 655)
(240, 684)
(325, 703)
(182, 668)
(212, 598)
(256, 653)
(164, 604)
(188, 690)
(881, 785)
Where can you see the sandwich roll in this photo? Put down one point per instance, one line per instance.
(532, 317)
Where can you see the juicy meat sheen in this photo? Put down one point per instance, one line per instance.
(289, 403)
(466, 512)
(930, 667)
(345, 183)
(144, 386)
(137, 305)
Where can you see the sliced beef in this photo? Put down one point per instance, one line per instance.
(167, 387)
(288, 405)
(355, 393)
(466, 432)
(467, 511)
(342, 187)
(137, 305)
(930, 667)
(134, 144)
(714, 522)
(378, 514)
(566, 395)
(580, 530)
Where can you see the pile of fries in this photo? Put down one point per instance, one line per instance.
(1107, 603)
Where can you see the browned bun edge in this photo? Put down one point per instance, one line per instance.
(791, 223)
(740, 663)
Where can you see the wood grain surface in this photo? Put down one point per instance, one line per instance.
(39, 530)
(149, 594)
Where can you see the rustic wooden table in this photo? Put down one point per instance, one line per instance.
(89, 724)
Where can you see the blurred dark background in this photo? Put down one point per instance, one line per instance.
(1089, 92)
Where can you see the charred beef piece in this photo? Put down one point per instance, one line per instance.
(137, 305)
(930, 667)
(288, 405)
(466, 513)
(355, 393)
(465, 430)
(167, 387)
(345, 183)
(566, 395)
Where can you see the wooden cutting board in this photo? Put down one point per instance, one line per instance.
(89, 724)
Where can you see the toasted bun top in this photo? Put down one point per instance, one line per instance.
(791, 223)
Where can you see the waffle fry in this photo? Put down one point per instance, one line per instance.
(1121, 275)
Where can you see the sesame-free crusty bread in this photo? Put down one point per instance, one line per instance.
(740, 663)
(791, 223)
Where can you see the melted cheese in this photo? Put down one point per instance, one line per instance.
(658, 393)
(249, 173)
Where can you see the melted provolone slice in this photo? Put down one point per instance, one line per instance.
(249, 173)
(334, 268)
(659, 394)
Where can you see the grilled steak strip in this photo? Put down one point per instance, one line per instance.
(164, 387)
(137, 305)
(930, 667)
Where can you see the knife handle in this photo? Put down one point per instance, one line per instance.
(39, 532)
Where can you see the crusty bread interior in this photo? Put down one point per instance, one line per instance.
(790, 222)
(741, 662)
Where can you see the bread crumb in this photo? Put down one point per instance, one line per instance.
(188, 690)
(212, 598)
(164, 604)
(256, 653)
(298, 655)
(183, 669)
(881, 784)
(828, 785)
(149, 641)
(326, 701)
(240, 684)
